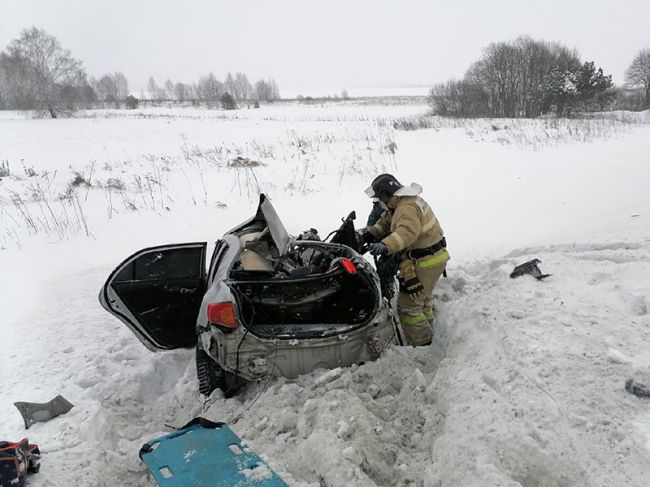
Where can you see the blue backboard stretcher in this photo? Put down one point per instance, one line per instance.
(206, 454)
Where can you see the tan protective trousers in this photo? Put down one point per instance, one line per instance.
(416, 312)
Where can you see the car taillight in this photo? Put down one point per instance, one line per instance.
(222, 314)
(349, 266)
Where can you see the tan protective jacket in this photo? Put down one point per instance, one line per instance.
(408, 224)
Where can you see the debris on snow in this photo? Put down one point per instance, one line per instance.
(529, 267)
(327, 377)
(33, 412)
(637, 388)
(244, 162)
(618, 357)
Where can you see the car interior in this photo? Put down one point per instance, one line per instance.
(306, 285)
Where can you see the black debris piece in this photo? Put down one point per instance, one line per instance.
(636, 388)
(529, 267)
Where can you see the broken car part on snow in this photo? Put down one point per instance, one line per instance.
(36, 412)
(531, 268)
(636, 388)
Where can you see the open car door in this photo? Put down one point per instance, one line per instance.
(157, 293)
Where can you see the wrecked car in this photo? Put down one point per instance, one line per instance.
(267, 304)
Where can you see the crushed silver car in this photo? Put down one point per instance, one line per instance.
(267, 304)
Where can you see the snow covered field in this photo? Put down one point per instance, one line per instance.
(524, 385)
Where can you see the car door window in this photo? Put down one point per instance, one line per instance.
(181, 263)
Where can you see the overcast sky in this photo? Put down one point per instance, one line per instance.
(331, 44)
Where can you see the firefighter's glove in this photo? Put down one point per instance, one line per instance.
(408, 277)
(413, 287)
(365, 236)
(378, 249)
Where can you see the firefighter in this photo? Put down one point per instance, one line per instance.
(409, 230)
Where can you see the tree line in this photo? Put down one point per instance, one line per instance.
(528, 78)
(210, 89)
(37, 73)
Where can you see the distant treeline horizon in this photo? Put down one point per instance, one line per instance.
(37, 73)
(521, 78)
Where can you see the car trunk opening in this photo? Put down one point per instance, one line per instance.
(310, 292)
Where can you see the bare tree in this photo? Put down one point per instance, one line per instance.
(169, 89)
(152, 88)
(42, 69)
(244, 88)
(537, 60)
(262, 91)
(106, 88)
(209, 89)
(458, 99)
(515, 79)
(4, 92)
(638, 74)
(111, 88)
(623, 98)
(275, 91)
(89, 96)
(155, 91)
(121, 86)
(190, 91)
(496, 71)
(266, 90)
(181, 92)
(230, 85)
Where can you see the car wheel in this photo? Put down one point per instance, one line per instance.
(211, 376)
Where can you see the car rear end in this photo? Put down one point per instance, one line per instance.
(328, 312)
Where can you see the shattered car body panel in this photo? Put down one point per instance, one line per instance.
(268, 305)
(266, 215)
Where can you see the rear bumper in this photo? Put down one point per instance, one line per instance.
(256, 358)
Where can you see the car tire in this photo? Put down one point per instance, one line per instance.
(211, 376)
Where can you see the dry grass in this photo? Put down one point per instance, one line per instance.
(533, 134)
